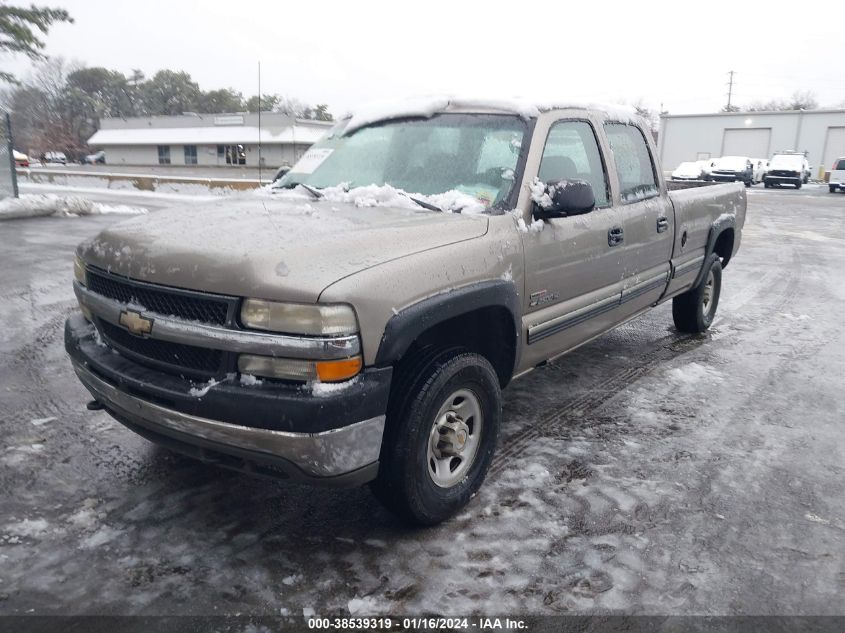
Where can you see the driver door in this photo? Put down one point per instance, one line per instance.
(574, 265)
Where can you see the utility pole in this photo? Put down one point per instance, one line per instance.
(730, 90)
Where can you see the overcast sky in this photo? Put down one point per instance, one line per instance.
(343, 53)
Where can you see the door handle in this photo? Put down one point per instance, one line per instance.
(662, 224)
(615, 236)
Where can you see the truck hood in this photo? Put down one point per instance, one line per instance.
(270, 248)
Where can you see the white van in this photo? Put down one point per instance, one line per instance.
(837, 175)
(761, 166)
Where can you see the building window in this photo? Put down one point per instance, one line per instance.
(190, 154)
(164, 154)
(221, 152)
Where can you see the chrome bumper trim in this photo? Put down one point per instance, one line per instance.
(175, 330)
(326, 454)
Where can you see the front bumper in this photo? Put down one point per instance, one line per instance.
(783, 180)
(271, 428)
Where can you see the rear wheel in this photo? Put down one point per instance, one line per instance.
(694, 310)
(798, 185)
(832, 189)
(442, 428)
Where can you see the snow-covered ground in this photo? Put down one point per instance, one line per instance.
(35, 205)
(647, 472)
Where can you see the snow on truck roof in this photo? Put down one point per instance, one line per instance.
(428, 106)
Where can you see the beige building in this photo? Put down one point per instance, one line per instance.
(207, 139)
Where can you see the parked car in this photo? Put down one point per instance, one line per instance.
(733, 169)
(21, 159)
(319, 346)
(837, 176)
(281, 171)
(787, 168)
(760, 166)
(96, 158)
(54, 158)
(691, 170)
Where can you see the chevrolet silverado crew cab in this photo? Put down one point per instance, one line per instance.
(357, 322)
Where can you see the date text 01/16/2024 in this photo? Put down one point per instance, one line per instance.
(387, 624)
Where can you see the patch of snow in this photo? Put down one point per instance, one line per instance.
(428, 106)
(308, 612)
(35, 205)
(508, 274)
(384, 196)
(324, 389)
(27, 527)
(693, 374)
(43, 421)
(362, 606)
(249, 380)
(99, 538)
(536, 225)
(199, 392)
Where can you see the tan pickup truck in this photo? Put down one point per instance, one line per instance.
(358, 322)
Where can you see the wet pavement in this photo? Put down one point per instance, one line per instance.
(648, 472)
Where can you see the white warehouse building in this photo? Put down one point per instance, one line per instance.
(207, 139)
(688, 137)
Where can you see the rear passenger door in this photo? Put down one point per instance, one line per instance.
(573, 269)
(647, 215)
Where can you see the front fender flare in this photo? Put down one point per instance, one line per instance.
(406, 327)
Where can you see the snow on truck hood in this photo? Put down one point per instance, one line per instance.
(287, 249)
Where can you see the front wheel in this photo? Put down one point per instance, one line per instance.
(798, 185)
(832, 189)
(694, 310)
(441, 433)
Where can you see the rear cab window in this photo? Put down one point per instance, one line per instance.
(634, 164)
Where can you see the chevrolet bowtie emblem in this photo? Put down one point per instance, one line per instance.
(135, 323)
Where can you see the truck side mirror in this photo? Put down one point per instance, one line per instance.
(563, 198)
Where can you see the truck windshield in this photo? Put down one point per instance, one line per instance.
(475, 154)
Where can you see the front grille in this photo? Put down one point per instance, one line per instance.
(783, 172)
(164, 355)
(166, 301)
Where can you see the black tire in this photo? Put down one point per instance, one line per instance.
(832, 189)
(405, 483)
(766, 184)
(748, 183)
(798, 185)
(694, 310)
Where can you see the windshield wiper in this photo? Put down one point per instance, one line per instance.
(424, 204)
(312, 190)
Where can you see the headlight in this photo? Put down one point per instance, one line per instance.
(301, 370)
(298, 318)
(79, 269)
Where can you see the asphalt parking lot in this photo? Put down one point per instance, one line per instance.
(648, 472)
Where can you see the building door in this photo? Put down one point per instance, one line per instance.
(834, 146)
(751, 143)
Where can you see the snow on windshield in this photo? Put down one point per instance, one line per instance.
(384, 196)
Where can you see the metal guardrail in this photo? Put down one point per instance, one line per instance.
(141, 182)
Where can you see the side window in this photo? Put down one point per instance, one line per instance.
(572, 152)
(634, 166)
